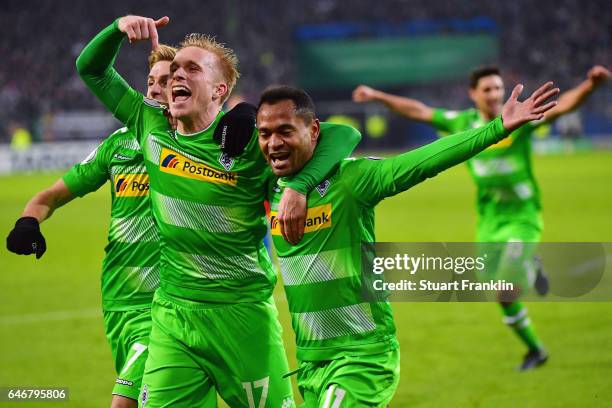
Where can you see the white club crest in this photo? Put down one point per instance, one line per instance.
(323, 187)
(226, 161)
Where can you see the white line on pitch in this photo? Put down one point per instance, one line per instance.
(51, 316)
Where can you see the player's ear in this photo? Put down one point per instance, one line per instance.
(220, 90)
(472, 93)
(315, 130)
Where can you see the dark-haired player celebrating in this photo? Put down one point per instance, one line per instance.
(346, 343)
(508, 196)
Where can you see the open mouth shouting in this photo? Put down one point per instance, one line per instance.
(180, 93)
(279, 160)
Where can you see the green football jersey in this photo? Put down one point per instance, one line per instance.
(208, 207)
(130, 271)
(503, 173)
(331, 314)
(322, 274)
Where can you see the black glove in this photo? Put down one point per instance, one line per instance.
(235, 129)
(26, 239)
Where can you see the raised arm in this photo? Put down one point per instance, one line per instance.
(336, 142)
(410, 108)
(95, 63)
(377, 180)
(572, 99)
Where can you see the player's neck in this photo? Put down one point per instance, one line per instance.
(200, 121)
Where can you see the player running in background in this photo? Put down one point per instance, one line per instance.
(347, 349)
(215, 324)
(507, 193)
(130, 270)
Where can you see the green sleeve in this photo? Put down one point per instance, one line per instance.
(90, 174)
(336, 142)
(95, 66)
(370, 181)
(445, 121)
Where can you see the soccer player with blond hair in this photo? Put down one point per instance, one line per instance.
(215, 325)
(130, 270)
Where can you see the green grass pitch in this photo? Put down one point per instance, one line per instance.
(452, 355)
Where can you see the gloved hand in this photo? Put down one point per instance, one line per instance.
(235, 129)
(26, 238)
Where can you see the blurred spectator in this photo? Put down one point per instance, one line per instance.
(21, 139)
(570, 126)
(557, 39)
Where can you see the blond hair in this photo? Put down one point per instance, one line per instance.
(228, 61)
(163, 53)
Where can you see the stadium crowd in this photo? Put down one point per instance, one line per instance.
(38, 78)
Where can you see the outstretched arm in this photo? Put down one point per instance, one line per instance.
(95, 63)
(572, 99)
(410, 108)
(377, 180)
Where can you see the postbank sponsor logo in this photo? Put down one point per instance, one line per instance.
(174, 163)
(131, 185)
(316, 218)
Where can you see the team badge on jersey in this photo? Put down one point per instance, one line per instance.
(323, 187)
(226, 161)
(172, 134)
(316, 218)
(175, 163)
(131, 185)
